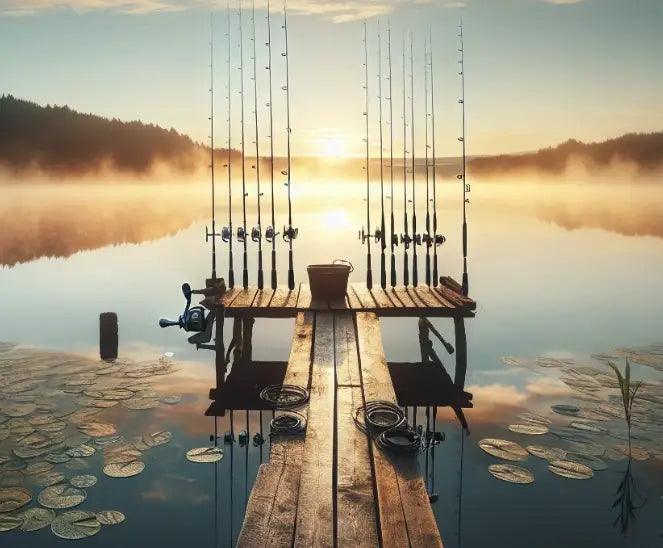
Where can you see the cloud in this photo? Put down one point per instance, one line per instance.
(338, 11)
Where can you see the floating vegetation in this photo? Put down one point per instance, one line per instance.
(141, 403)
(532, 418)
(83, 481)
(61, 496)
(205, 454)
(34, 519)
(502, 449)
(634, 451)
(513, 361)
(13, 498)
(124, 469)
(75, 525)
(171, 400)
(511, 473)
(81, 451)
(543, 361)
(547, 453)
(566, 409)
(529, 429)
(157, 438)
(7, 523)
(587, 426)
(49, 478)
(110, 517)
(98, 429)
(570, 469)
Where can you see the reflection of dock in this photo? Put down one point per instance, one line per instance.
(333, 485)
(444, 300)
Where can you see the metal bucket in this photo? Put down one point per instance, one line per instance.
(329, 281)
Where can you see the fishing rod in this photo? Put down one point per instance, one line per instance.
(406, 239)
(212, 234)
(382, 232)
(394, 237)
(427, 236)
(270, 233)
(227, 231)
(241, 231)
(365, 236)
(290, 233)
(462, 176)
(439, 239)
(256, 232)
(416, 238)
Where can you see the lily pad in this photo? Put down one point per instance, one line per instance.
(83, 481)
(61, 496)
(503, 449)
(81, 451)
(205, 454)
(13, 498)
(98, 429)
(36, 518)
(529, 429)
(157, 438)
(532, 418)
(75, 525)
(138, 404)
(570, 469)
(124, 470)
(171, 400)
(511, 473)
(46, 479)
(7, 523)
(591, 461)
(566, 409)
(110, 517)
(547, 453)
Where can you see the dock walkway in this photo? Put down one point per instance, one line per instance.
(332, 486)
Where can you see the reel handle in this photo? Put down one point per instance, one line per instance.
(165, 322)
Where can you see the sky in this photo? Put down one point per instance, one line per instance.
(537, 71)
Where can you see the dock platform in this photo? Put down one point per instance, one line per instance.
(332, 485)
(443, 300)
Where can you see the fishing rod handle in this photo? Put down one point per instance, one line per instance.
(393, 270)
(383, 271)
(274, 280)
(291, 272)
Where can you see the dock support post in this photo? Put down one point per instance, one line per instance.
(461, 352)
(220, 351)
(237, 339)
(247, 338)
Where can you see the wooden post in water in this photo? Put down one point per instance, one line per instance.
(461, 352)
(108, 335)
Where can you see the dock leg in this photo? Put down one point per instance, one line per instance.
(247, 339)
(461, 352)
(220, 350)
(237, 339)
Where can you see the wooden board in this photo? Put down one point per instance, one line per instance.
(284, 298)
(364, 296)
(263, 298)
(357, 525)
(401, 293)
(429, 298)
(345, 344)
(244, 298)
(315, 523)
(230, 295)
(406, 518)
(304, 297)
(353, 300)
(381, 298)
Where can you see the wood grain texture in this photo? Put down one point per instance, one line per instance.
(263, 298)
(364, 296)
(304, 298)
(244, 298)
(403, 296)
(357, 525)
(381, 298)
(347, 361)
(429, 298)
(315, 504)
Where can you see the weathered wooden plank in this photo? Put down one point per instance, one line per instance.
(230, 295)
(450, 296)
(364, 296)
(381, 298)
(315, 503)
(281, 295)
(284, 512)
(244, 298)
(345, 343)
(352, 299)
(430, 299)
(356, 517)
(394, 299)
(304, 297)
(260, 505)
(263, 298)
(406, 518)
(404, 297)
(415, 298)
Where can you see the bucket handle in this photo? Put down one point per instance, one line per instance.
(343, 261)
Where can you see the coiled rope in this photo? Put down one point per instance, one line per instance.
(386, 423)
(286, 396)
(289, 422)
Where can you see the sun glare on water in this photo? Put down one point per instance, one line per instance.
(334, 147)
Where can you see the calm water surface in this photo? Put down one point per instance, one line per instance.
(562, 271)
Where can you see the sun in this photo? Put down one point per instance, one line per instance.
(333, 147)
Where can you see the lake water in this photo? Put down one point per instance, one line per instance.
(559, 270)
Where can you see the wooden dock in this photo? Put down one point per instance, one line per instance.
(443, 300)
(332, 486)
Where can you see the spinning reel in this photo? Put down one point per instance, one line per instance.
(364, 236)
(434, 239)
(256, 234)
(241, 234)
(192, 319)
(270, 234)
(290, 233)
(226, 233)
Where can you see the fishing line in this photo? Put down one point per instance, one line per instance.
(270, 233)
(394, 237)
(439, 239)
(427, 236)
(212, 234)
(381, 236)
(365, 236)
(241, 231)
(227, 231)
(462, 176)
(286, 396)
(256, 232)
(406, 240)
(416, 239)
(290, 233)
(288, 423)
